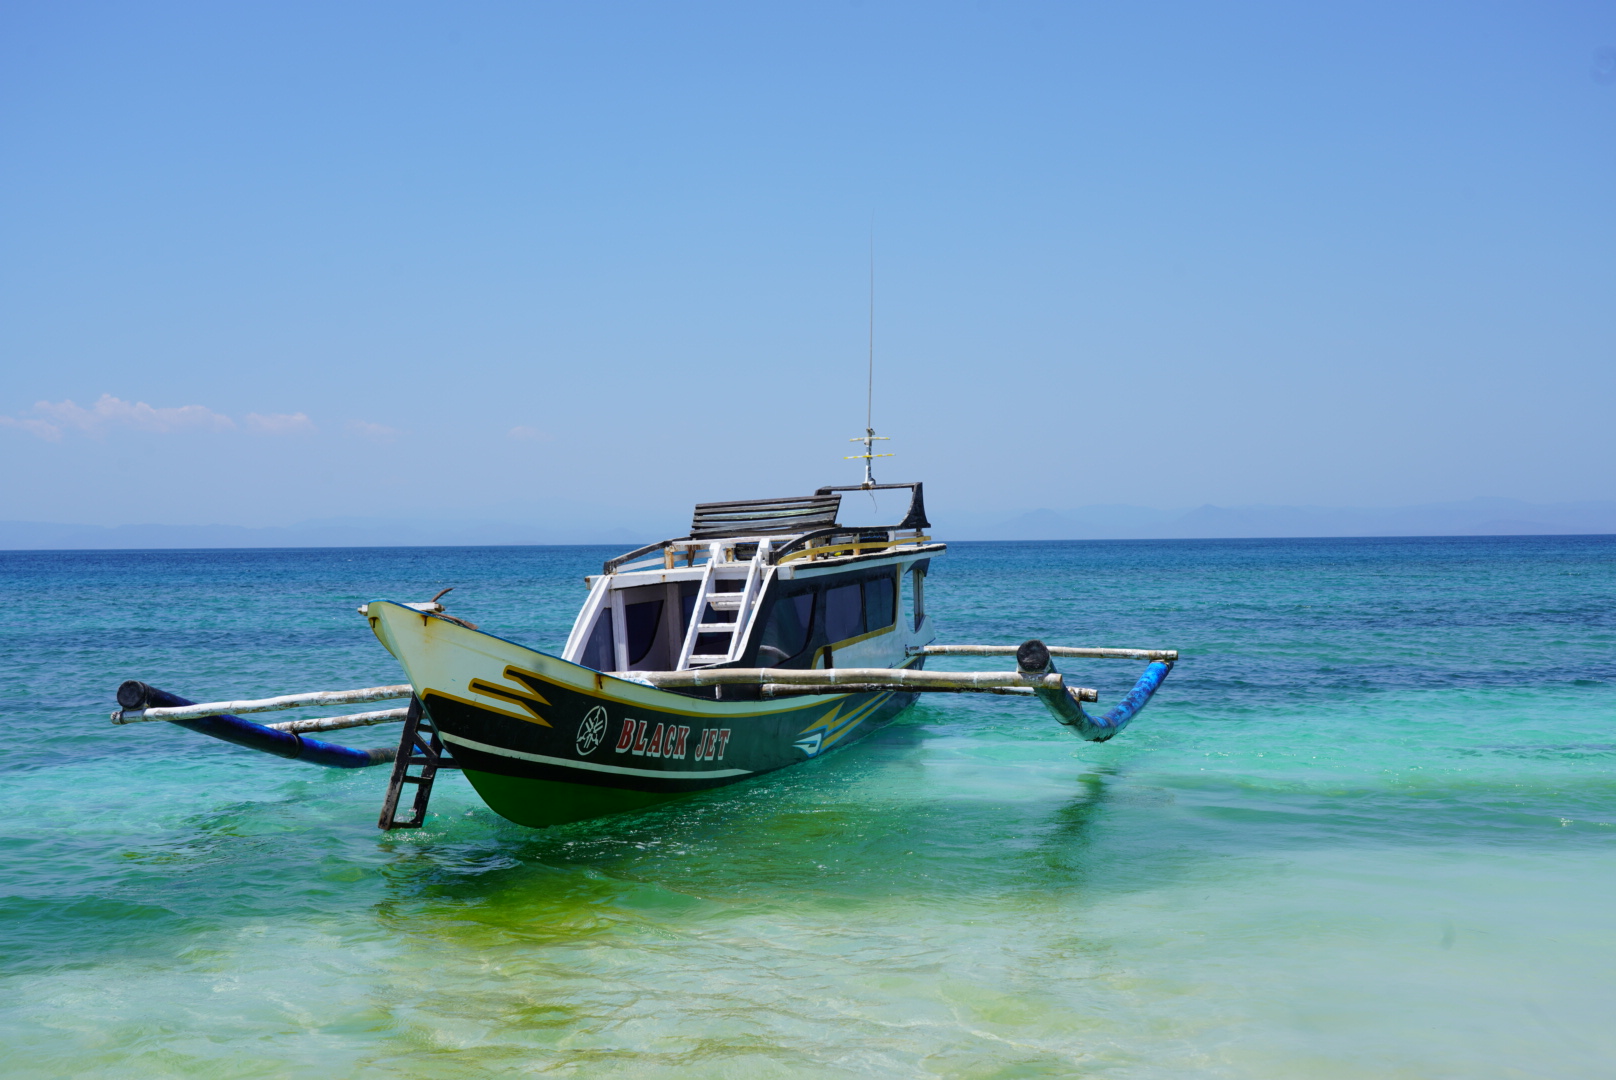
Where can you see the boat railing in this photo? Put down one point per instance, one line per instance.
(845, 541)
(612, 566)
(683, 551)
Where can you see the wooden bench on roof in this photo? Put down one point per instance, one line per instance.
(763, 517)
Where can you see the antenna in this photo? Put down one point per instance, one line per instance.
(869, 438)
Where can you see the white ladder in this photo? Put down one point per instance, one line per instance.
(740, 602)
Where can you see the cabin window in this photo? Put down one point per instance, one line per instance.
(712, 644)
(844, 611)
(785, 635)
(600, 651)
(880, 602)
(640, 624)
(713, 615)
(917, 594)
(687, 605)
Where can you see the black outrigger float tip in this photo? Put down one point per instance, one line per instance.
(767, 636)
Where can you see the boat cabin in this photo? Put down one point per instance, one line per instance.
(763, 583)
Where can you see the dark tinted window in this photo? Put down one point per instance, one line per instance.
(785, 635)
(712, 644)
(712, 615)
(880, 602)
(687, 606)
(600, 652)
(640, 623)
(844, 612)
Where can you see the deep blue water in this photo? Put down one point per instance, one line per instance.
(1367, 828)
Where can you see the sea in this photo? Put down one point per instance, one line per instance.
(1367, 828)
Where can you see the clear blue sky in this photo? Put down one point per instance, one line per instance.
(505, 259)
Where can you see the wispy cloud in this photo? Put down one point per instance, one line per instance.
(44, 429)
(52, 419)
(378, 432)
(524, 433)
(278, 423)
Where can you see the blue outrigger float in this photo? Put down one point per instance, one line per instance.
(768, 635)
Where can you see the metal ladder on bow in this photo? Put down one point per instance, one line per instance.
(418, 745)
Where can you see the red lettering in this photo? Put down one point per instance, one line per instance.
(655, 749)
(723, 741)
(639, 739)
(707, 738)
(679, 750)
(626, 739)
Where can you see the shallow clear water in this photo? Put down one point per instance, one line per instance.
(1368, 828)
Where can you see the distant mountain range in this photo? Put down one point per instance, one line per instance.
(1473, 517)
(37, 536)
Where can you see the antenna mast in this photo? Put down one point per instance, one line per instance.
(869, 438)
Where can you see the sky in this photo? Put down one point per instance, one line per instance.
(269, 262)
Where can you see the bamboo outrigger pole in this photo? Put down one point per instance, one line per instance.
(258, 705)
(1169, 655)
(844, 680)
(1035, 674)
(338, 723)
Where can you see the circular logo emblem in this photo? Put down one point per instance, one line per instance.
(591, 730)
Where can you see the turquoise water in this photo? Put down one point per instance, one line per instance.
(1368, 828)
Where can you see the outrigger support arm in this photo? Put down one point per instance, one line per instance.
(1032, 658)
(134, 695)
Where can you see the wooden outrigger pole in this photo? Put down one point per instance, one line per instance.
(141, 714)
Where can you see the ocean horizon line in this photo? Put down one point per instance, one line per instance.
(1483, 516)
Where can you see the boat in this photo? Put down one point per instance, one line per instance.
(768, 635)
(674, 678)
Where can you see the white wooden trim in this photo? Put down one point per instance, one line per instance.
(576, 640)
(619, 630)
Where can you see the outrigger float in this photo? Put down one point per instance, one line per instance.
(766, 637)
